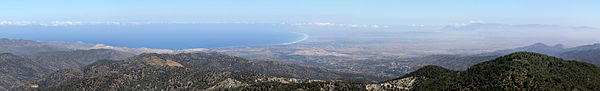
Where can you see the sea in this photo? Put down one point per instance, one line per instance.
(160, 36)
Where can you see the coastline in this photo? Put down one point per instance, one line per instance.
(145, 50)
(305, 37)
(174, 51)
(87, 46)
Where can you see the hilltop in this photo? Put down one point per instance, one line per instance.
(17, 70)
(516, 71)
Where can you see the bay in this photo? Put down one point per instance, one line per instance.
(160, 36)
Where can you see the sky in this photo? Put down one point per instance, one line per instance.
(383, 12)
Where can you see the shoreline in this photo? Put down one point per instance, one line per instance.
(87, 46)
(305, 37)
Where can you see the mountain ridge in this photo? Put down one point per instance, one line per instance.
(515, 71)
(584, 53)
(21, 69)
(189, 64)
(520, 71)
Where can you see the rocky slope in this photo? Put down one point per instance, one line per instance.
(75, 59)
(187, 71)
(517, 71)
(214, 61)
(413, 79)
(17, 70)
(184, 71)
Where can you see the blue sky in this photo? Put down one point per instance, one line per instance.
(386, 12)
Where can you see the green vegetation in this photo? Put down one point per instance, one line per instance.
(157, 78)
(311, 86)
(590, 56)
(18, 70)
(197, 71)
(517, 71)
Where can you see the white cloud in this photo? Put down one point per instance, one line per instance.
(476, 21)
(67, 23)
(469, 22)
(416, 25)
(75, 23)
(17, 23)
(338, 25)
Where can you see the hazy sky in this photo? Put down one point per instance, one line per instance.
(387, 12)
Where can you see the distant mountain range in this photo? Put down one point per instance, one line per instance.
(590, 56)
(539, 48)
(19, 46)
(493, 26)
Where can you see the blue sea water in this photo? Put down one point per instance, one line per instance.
(159, 36)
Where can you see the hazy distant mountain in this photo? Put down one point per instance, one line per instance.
(538, 48)
(21, 47)
(517, 71)
(454, 62)
(18, 70)
(17, 46)
(506, 27)
(590, 56)
(75, 59)
(585, 53)
(585, 47)
(475, 26)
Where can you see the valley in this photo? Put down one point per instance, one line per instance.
(102, 69)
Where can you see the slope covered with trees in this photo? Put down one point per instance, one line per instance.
(517, 71)
(17, 70)
(214, 61)
(591, 56)
(186, 71)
